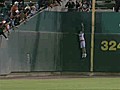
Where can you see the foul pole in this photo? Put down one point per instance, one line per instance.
(92, 36)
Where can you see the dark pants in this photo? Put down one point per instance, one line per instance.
(117, 5)
(2, 33)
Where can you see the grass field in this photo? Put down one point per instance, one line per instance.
(61, 84)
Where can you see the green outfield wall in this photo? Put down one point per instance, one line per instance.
(107, 52)
(5, 61)
(49, 42)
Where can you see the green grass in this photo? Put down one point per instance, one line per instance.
(62, 84)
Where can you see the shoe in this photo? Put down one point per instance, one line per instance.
(6, 38)
(84, 55)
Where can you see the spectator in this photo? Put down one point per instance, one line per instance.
(17, 18)
(46, 3)
(13, 9)
(86, 6)
(2, 4)
(78, 5)
(22, 16)
(7, 26)
(117, 5)
(40, 3)
(33, 10)
(21, 2)
(14, 12)
(27, 7)
(37, 7)
(31, 3)
(27, 11)
(70, 4)
(2, 27)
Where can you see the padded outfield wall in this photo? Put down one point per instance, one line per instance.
(49, 42)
